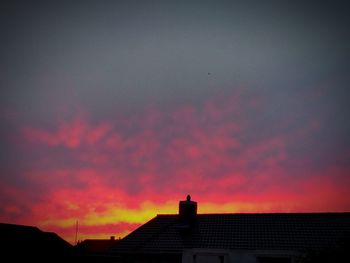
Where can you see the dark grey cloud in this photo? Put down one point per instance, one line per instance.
(119, 56)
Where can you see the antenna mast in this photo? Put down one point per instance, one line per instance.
(76, 232)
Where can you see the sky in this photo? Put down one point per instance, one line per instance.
(111, 112)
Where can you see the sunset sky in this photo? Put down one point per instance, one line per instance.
(113, 111)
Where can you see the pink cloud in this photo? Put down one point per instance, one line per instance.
(70, 134)
(110, 171)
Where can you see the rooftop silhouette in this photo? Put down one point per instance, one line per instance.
(281, 235)
(19, 240)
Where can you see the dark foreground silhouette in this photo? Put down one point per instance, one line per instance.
(21, 243)
(18, 242)
(189, 237)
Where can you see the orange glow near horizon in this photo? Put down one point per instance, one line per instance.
(103, 217)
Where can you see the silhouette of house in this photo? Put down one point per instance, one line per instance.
(223, 238)
(18, 241)
(94, 250)
(96, 246)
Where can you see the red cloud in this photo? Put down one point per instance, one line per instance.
(70, 134)
(113, 175)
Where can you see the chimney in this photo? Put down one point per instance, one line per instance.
(187, 211)
(112, 238)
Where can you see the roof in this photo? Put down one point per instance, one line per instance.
(29, 240)
(96, 245)
(278, 231)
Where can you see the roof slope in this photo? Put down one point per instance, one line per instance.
(279, 231)
(17, 240)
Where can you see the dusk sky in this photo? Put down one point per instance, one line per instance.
(113, 111)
